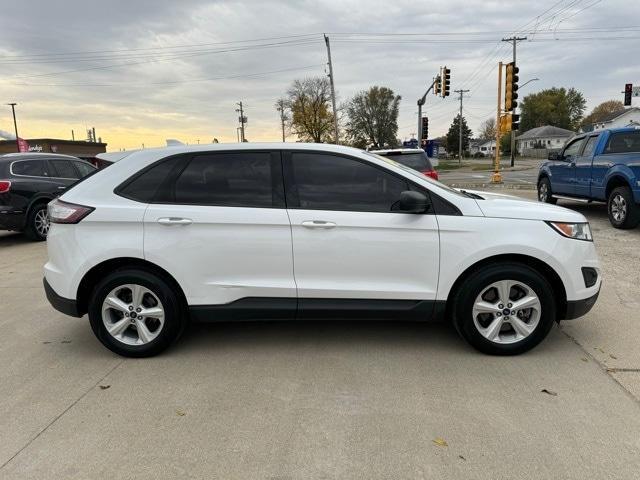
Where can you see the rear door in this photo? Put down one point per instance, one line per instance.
(350, 247)
(583, 167)
(220, 226)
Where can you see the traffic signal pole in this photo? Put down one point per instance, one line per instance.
(421, 102)
(514, 40)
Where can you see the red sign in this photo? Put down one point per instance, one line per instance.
(23, 145)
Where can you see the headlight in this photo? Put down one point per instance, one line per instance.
(579, 231)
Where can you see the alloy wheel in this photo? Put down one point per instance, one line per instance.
(618, 208)
(41, 222)
(506, 311)
(133, 314)
(543, 192)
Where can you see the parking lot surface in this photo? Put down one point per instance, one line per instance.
(321, 399)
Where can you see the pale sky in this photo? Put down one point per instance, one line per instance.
(144, 71)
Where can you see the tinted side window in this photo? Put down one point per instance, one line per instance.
(417, 161)
(34, 168)
(243, 179)
(84, 168)
(64, 169)
(144, 186)
(329, 182)
(573, 148)
(625, 142)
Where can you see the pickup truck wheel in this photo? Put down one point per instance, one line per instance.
(544, 191)
(504, 309)
(623, 211)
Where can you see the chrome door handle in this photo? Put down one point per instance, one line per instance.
(175, 221)
(318, 224)
(62, 188)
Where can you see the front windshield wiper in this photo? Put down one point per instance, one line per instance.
(475, 196)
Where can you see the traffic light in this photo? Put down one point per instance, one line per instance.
(515, 121)
(425, 128)
(511, 87)
(628, 90)
(437, 88)
(446, 82)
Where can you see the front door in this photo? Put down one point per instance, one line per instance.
(563, 171)
(583, 163)
(352, 251)
(221, 229)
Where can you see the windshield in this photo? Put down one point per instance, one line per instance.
(414, 172)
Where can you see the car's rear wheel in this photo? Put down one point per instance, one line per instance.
(504, 309)
(544, 191)
(622, 210)
(37, 226)
(136, 313)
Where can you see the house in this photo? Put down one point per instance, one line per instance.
(486, 147)
(539, 141)
(625, 118)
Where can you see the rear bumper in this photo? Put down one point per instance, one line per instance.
(11, 219)
(578, 308)
(64, 305)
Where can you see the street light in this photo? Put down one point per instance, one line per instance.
(529, 81)
(15, 124)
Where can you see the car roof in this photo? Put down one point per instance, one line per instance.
(396, 151)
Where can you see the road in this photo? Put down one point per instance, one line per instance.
(321, 399)
(524, 175)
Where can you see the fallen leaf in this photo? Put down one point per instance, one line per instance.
(180, 413)
(462, 458)
(584, 359)
(441, 442)
(104, 387)
(65, 341)
(611, 369)
(549, 392)
(613, 356)
(601, 350)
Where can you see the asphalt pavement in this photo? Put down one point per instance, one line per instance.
(524, 174)
(339, 400)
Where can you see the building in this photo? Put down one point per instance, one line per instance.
(625, 118)
(539, 141)
(484, 147)
(77, 148)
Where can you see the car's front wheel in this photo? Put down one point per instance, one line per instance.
(504, 309)
(136, 313)
(622, 210)
(544, 191)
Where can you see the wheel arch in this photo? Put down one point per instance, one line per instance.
(538, 265)
(93, 276)
(616, 180)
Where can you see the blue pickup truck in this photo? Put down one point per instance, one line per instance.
(599, 166)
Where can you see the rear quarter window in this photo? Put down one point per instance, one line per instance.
(144, 186)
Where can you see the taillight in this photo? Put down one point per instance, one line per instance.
(5, 186)
(63, 212)
(431, 173)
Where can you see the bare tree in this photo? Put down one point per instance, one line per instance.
(309, 101)
(488, 128)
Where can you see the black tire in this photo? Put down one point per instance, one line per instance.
(175, 317)
(34, 229)
(622, 210)
(473, 286)
(544, 191)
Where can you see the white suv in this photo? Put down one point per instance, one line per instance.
(308, 231)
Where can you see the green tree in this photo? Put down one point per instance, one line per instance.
(602, 111)
(309, 104)
(372, 118)
(558, 107)
(453, 135)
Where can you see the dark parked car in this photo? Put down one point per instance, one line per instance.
(28, 181)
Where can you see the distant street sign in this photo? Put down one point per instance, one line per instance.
(635, 92)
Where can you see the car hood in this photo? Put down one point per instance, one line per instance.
(499, 205)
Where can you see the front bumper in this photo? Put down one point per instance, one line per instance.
(64, 305)
(578, 308)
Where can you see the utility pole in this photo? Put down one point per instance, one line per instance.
(15, 124)
(242, 120)
(461, 92)
(514, 40)
(333, 89)
(280, 107)
(497, 176)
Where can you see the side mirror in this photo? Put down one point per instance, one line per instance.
(413, 202)
(554, 156)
